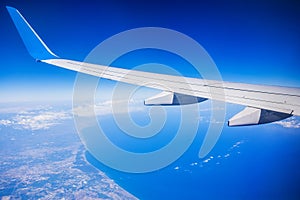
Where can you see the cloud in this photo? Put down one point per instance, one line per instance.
(226, 155)
(292, 122)
(26, 108)
(109, 107)
(212, 160)
(232, 151)
(5, 122)
(237, 145)
(42, 119)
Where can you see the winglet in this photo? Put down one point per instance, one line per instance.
(34, 44)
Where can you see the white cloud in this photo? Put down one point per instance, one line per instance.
(14, 109)
(236, 145)
(109, 107)
(42, 119)
(289, 123)
(5, 122)
(227, 155)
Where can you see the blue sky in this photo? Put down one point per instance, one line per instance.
(250, 41)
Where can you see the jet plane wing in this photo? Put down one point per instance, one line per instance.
(263, 104)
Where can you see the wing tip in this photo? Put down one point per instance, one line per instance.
(34, 44)
(10, 8)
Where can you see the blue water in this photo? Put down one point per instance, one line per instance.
(259, 162)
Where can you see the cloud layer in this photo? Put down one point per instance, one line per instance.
(37, 120)
(292, 122)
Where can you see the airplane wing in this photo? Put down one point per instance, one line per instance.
(264, 104)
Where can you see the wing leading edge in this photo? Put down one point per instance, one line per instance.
(263, 103)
